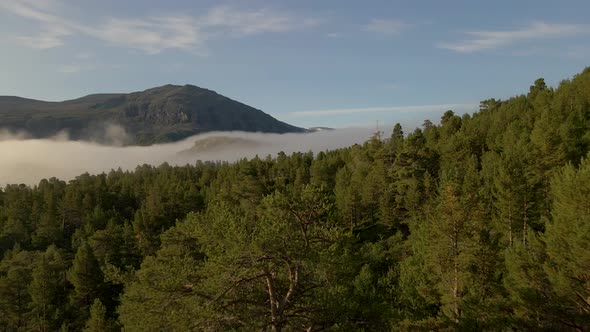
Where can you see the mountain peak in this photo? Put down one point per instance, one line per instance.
(160, 114)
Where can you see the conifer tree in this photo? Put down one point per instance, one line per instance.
(86, 277)
(15, 276)
(98, 321)
(567, 238)
(47, 290)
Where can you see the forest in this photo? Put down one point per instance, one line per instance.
(479, 223)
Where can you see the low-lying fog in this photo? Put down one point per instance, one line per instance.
(28, 161)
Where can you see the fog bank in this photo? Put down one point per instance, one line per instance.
(25, 160)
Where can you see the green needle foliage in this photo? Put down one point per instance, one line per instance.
(479, 223)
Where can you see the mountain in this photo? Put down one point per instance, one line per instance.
(314, 129)
(161, 114)
(221, 143)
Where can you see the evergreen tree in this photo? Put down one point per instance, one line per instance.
(15, 276)
(86, 277)
(47, 291)
(98, 321)
(568, 247)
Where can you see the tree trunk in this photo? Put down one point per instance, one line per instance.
(525, 224)
(510, 240)
(456, 309)
(272, 302)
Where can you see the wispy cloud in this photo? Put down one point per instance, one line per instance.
(363, 110)
(76, 68)
(386, 27)
(51, 34)
(43, 41)
(493, 39)
(152, 34)
(250, 22)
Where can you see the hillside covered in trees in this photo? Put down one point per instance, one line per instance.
(479, 223)
(162, 114)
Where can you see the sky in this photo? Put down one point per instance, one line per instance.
(332, 63)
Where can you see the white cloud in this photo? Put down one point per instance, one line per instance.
(152, 34)
(490, 39)
(76, 68)
(52, 32)
(41, 42)
(386, 27)
(363, 110)
(249, 22)
(29, 9)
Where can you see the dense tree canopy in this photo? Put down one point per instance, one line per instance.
(481, 222)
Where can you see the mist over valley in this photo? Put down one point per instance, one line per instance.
(28, 160)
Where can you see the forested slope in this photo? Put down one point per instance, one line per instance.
(479, 223)
(163, 114)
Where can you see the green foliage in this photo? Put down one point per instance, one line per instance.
(86, 277)
(568, 243)
(480, 223)
(161, 114)
(48, 299)
(98, 321)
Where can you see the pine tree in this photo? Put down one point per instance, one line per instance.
(453, 234)
(86, 277)
(533, 304)
(98, 321)
(43, 295)
(567, 238)
(395, 144)
(15, 276)
(49, 230)
(347, 199)
(48, 290)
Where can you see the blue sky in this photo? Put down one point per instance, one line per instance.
(309, 63)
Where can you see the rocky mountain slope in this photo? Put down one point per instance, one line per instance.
(162, 114)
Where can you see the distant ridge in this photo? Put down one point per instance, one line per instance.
(314, 129)
(219, 143)
(161, 114)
